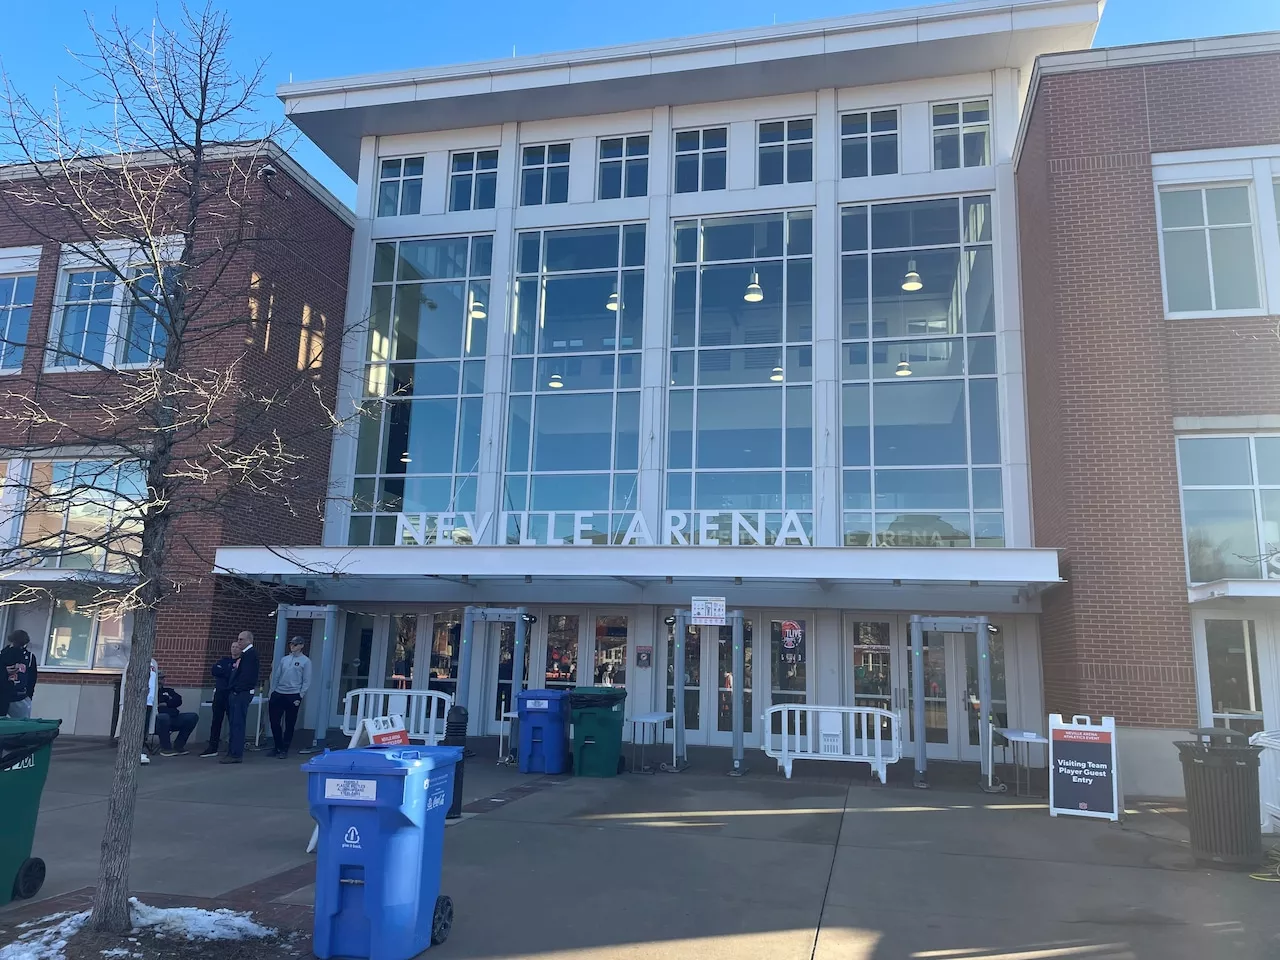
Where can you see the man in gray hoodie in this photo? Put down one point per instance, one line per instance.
(290, 681)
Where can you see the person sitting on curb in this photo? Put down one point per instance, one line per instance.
(170, 719)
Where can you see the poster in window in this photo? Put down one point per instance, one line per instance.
(790, 640)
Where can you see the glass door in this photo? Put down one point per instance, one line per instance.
(687, 677)
(876, 675)
(446, 640)
(790, 647)
(966, 647)
(609, 650)
(1238, 673)
(562, 641)
(504, 657)
(719, 642)
(356, 657)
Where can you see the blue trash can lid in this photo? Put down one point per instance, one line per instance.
(543, 695)
(387, 761)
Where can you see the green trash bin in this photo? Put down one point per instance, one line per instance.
(598, 714)
(25, 746)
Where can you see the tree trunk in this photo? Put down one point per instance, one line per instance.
(111, 898)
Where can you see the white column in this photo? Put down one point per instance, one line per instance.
(657, 266)
(824, 646)
(498, 350)
(1015, 450)
(355, 334)
(826, 325)
(641, 631)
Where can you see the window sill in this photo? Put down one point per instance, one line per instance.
(1256, 312)
(84, 671)
(91, 368)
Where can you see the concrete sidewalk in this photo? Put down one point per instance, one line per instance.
(701, 866)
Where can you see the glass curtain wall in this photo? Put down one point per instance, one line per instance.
(920, 417)
(740, 419)
(573, 419)
(419, 440)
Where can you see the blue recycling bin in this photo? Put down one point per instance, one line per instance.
(381, 818)
(544, 731)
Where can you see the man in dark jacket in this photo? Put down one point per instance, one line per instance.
(18, 676)
(221, 691)
(244, 678)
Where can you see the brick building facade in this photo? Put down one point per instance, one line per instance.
(291, 276)
(1144, 176)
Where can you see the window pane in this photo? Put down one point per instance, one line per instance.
(982, 355)
(1222, 534)
(627, 447)
(633, 237)
(531, 187)
(69, 636)
(727, 318)
(984, 413)
(979, 292)
(853, 229)
(771, 162)
(589, 249)
(1214, 461)
(573, 432)
(1228, 205)
(925, 529)
(610, 181)
(588, 491)
(853, 123)
(388, 198)
(714, 170)
(743, 238)
(1235, 686)
(987, 491)
(1235, 278)
(470, 411)
(853, 157)
(799, 427)
(977, 147)
(557, 184)
(921, 223)
(686, 140)
(576, 317)
(432, 259)
(800, 163)
(680, 429)
(922, 489)
(460, 193)
(1268, 454)
(679, 491)
(429, 426)
(771, 132)
(720, 367)
(854, 301)
(926, 358)
(946, 113)
(919, 423)
(410, 197)
(738, 491)
(946, 151)
(687, 173)
(486, 191)
(932, 309)
(855, 419)
(1186, 271)
(1181, 208)
(518, 434)
(413, 166)
(715, 138)
(884, 155)
(637, 178)
(558, 153)
(740, 428)
(883, 121)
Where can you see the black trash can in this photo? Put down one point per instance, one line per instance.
(1221, 780)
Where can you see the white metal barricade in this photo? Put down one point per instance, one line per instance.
(424, 711)
(852, 734)
(1269, 778)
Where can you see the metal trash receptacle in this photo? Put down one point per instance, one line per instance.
(544, 731)
(25, 748)
(381, 816)
(598, 716)
(1220, 775)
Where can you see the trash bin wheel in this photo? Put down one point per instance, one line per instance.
(30, 879)
(442, 921)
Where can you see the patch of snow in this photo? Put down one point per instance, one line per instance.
(193, 923)
(115, 952)
(46, 939)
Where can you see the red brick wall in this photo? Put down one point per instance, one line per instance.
(301, 257)
(1107, 373)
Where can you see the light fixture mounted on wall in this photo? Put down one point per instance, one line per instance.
(556, 381)
(911, 282)
(754, 294)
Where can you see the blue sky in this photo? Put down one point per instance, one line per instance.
(315, 39)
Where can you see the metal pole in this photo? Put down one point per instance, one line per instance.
(984, 698)
(677, 689)
(328, 656)
(917, 696)
(517, 666)
(282, 635)
(469, 618)
(736, 695)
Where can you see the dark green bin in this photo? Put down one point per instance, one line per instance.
(25, 747)
(598, 716)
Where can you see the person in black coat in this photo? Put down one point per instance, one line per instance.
(221, 692)
(244, 679)
(18, 674)
(170, 719)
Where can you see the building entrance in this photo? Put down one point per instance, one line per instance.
(878, 658)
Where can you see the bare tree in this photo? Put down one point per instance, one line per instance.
(159, 191)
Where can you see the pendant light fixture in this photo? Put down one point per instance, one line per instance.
(405, 458)
(612, 302)
(556, 382)
(911, 282)
(777, 375)
(754, 294)
(477, 310)
(904, 367)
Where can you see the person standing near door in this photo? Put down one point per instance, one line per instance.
(244, 677)
(18, 674)
(290, 680)
(221, 691)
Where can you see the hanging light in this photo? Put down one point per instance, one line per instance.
(556, 382)
(478, 311)
(776, 376)
(612, 302)
(904, 368)
(405, 458)
(911, 282)
(754, 294)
